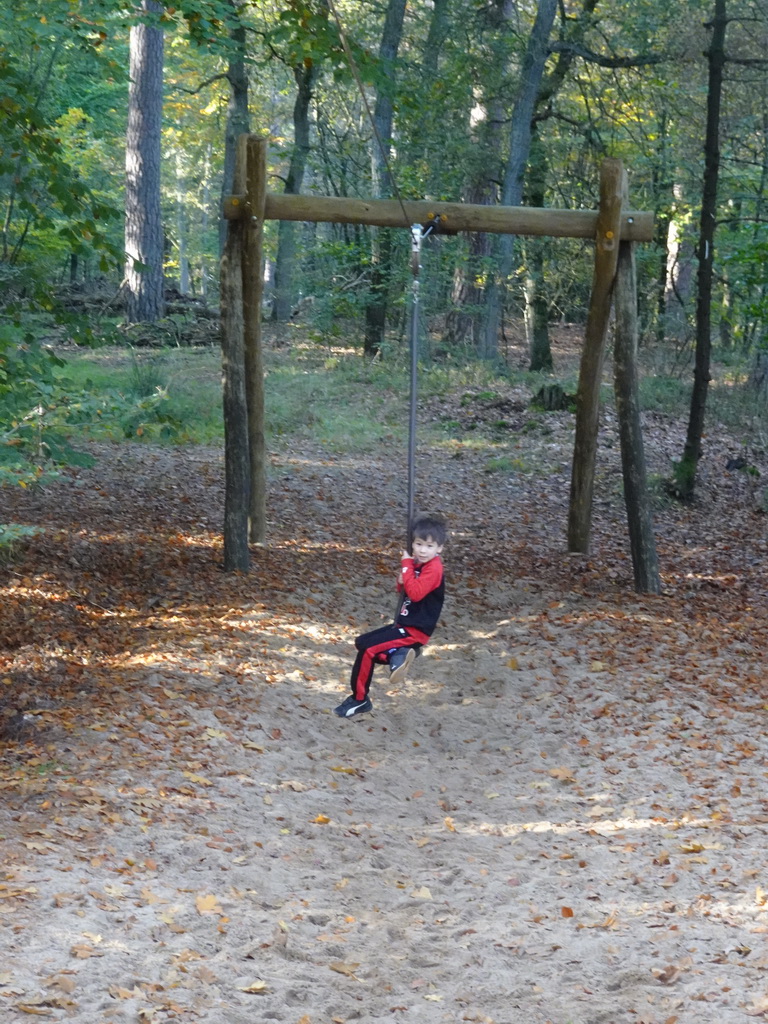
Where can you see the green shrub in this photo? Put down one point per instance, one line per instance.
(12, 535)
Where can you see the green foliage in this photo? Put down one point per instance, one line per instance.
(745, 252)
(506, 464)
(49, 209)
(27, 450)
(305, 400)
(12, 536)
(663, 393)
(683, 479)
(169, 396)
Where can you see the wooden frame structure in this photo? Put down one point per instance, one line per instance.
(615, 230)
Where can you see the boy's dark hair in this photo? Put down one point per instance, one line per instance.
(429, 525)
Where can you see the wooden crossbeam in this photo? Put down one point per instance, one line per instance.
(635, 225)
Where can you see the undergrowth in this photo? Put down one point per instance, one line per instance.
(338, 397)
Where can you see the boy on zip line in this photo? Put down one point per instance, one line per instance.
(421, 584)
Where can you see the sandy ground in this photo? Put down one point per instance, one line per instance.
(560, 817)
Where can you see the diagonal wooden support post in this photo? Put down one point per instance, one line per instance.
(593, 355)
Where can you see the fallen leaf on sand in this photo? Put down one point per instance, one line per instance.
(208, 905)
(295, 785)
(669, 975)
(117, 992)
(348, 970)
(257, 988)
(198, 779)
(83, 951)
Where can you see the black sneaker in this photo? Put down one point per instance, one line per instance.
(352, 706)
(400, 662)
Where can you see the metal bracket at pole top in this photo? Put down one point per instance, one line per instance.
(416, 236)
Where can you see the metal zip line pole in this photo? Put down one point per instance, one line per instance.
(416, 236)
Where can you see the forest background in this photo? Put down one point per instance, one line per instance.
(561, 816)
(480, 102)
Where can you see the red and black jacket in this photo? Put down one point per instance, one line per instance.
(423, 590)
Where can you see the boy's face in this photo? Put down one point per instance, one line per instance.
(425, 548)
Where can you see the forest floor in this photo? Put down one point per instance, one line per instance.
(560, 817)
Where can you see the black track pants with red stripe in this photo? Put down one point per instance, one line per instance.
(372, 648)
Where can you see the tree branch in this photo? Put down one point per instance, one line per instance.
(636, 61)
(207, 82)
(748, 62)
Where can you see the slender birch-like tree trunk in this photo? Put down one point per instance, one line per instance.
(285, 262)
(464, 322)
(685, 471)
(383, 117)
(143, 221)
(519, 147)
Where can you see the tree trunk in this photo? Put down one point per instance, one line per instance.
(143, 221)
(639, 516)
(663, 198)
(680, 247)
(383, 114)
(205, 219)
(238, 119)
(285, 296)
(464, 322)
(439, 29)
(536, 304)
(181, 228)
(685, 471)
(519, 147)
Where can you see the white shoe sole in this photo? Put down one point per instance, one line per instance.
(401, 671)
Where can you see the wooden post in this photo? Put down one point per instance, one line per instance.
(639, 516)
(591, 372)
(236, 459)
(256, 189)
